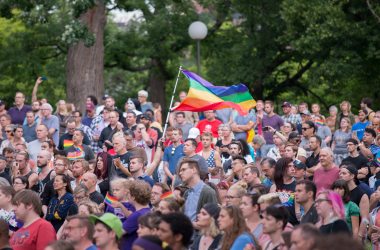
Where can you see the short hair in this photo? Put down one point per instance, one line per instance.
(258, 139)
(333, 108)
(318, 138)
(80, 131)
(174, 205)
(48, 106)
(93, 99)
(179, 224)
(270, 198)
(23, 179)
(139, 158)
(140, 190)
(8, 150)
(311, 125)
(279, 212)
(124, 183)
(191, 162)
(28, 197)
(253, 169)
(328, 151)
(115, 112)
(271, 162)
(239, 158)
(308, 230)
(8, 190)
(207, 134)
(165, 188)
(193, 142)
(309, 186)
(84, 222)
(143, 93)
(370, 131)
(24, 153)
(30, 112)
(80, 188)
(85, 165)
(269, 102)
(180, 113)
(132, 113)
(150, 220)
(63, 159)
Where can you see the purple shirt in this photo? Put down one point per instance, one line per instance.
(118, 212)
(18, 115)
(130, 226)
(275, 122)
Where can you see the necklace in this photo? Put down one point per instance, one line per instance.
(205, 242)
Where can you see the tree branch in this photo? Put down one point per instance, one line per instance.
(373, 11)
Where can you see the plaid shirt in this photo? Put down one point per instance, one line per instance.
(294, 119)
(87, 131)
(97, 125)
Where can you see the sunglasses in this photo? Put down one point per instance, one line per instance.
(304, 129)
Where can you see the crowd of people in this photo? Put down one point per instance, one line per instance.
(110, 178)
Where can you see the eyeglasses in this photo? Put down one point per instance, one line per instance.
(321, 200)
(8, 131)
(304, 129)
(183, 170)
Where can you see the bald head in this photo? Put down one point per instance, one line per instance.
(89, 180)
(43, 158)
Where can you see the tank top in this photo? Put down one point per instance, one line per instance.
(210, 160)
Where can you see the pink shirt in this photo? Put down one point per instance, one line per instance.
(323, 179)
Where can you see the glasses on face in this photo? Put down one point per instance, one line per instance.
(317, 201)
(304, 128)
(230, 197)
(183, 170)
(8, 131)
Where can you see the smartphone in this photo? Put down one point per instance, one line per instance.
(265, 128)
(43, 78)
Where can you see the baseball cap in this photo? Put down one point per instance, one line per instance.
(193, 133)
(90, 106)
(111, 220)
(145, 116)
(293, 135)
(286, 104)
(299, 164)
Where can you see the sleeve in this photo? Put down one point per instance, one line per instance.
(130, 225)
(90, 154)
(241, 242)
(86, 140)
(101, 139)
(46, 235)
(55, 123)
(62, 209)
(354, 210)
(60, 144)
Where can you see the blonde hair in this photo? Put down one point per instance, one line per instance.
(124, 183)
(212, 230)
(240, 187)
(348, 105)
(271, 198)
(349, 123)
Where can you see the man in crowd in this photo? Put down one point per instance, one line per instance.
(79, 150)
(78, 169)
(50, 121)
(97, 125)
(136, 168)
(288, 116)
(299, 170)
(146, 137)
(22, 168)
(30, 127)
(305, 196)
(273, 120)
(274, 221)
(172, 154)
(18, 112)
(267, 167)
(312, 161)
(120, 163)
(66, 139)
(368, 147)
(43, 163)
(357, 159)
(107, 133)
(359, 127)
(326, 172)
(251, 176)
(130, 120)
(108, 231)
(182, 124)
(90, 114)
(79, 231)
(142, 97)
(77, 115)
(366, 104)
(5, 120)
(90, 180)
(131, 147)
(242, 124)
(304, 237)
(3, 111)
(199, 193)
(36, 233)
(308, 130)
(4, 174)
(110, 104)
(209, 124)
(238, 163)
(158, 190)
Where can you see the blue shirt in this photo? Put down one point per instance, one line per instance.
(173, 157)
(243, 120)
(359, 127)
(192, 200)
(147, 179)
(241, 241)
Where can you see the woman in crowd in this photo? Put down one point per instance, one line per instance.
(323, 130)
(63, 116)
(211, 156)
(235, 193)
(13, 137)
(210, 235)
(251, 212)
(340, 139)
(283, 176)
(331, 120)
(60, 204)
(246, 151)
(170, 205)
(286, 129)
(330, 208)
(236, 233)
(132, 104)
(352, 212)
(20, 183)
(222, 144)
(88, 207)
(223, 187)
(49, 145)
(345, 112)
(139, 197)
(103, 161)
(148, 224)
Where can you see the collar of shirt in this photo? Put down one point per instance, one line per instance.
(197, 187)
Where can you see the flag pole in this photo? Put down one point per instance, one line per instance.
(171, 101)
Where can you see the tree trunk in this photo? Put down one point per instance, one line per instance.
(85, 65)
(156, 86)
(257, 90)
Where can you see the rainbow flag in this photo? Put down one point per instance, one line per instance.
(319, 122)
(204, 96)
(67, 143)
(109, 199)
(168, 194)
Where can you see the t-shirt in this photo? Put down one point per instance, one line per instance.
(359, 162)
(33, 237)
(359, 127)
(209, 126)
(338, 226)
(340, 139)
(275, 122)
(173, 157)
(115, 171)
(52, 122)
(241, 241)
(18, 115)
(351, 209)
(323, 132)
(79, 152)
(323, 179)
(243, 120)
(130, 226)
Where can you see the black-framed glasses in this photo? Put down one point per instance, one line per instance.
(304, 129)
(317, 201)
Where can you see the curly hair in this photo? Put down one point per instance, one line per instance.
(140, 191)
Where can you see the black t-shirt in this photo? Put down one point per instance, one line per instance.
(312, 160)
(338, 226)
(115, 171)
(6, 176)
(310, 216)
(356, 195)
